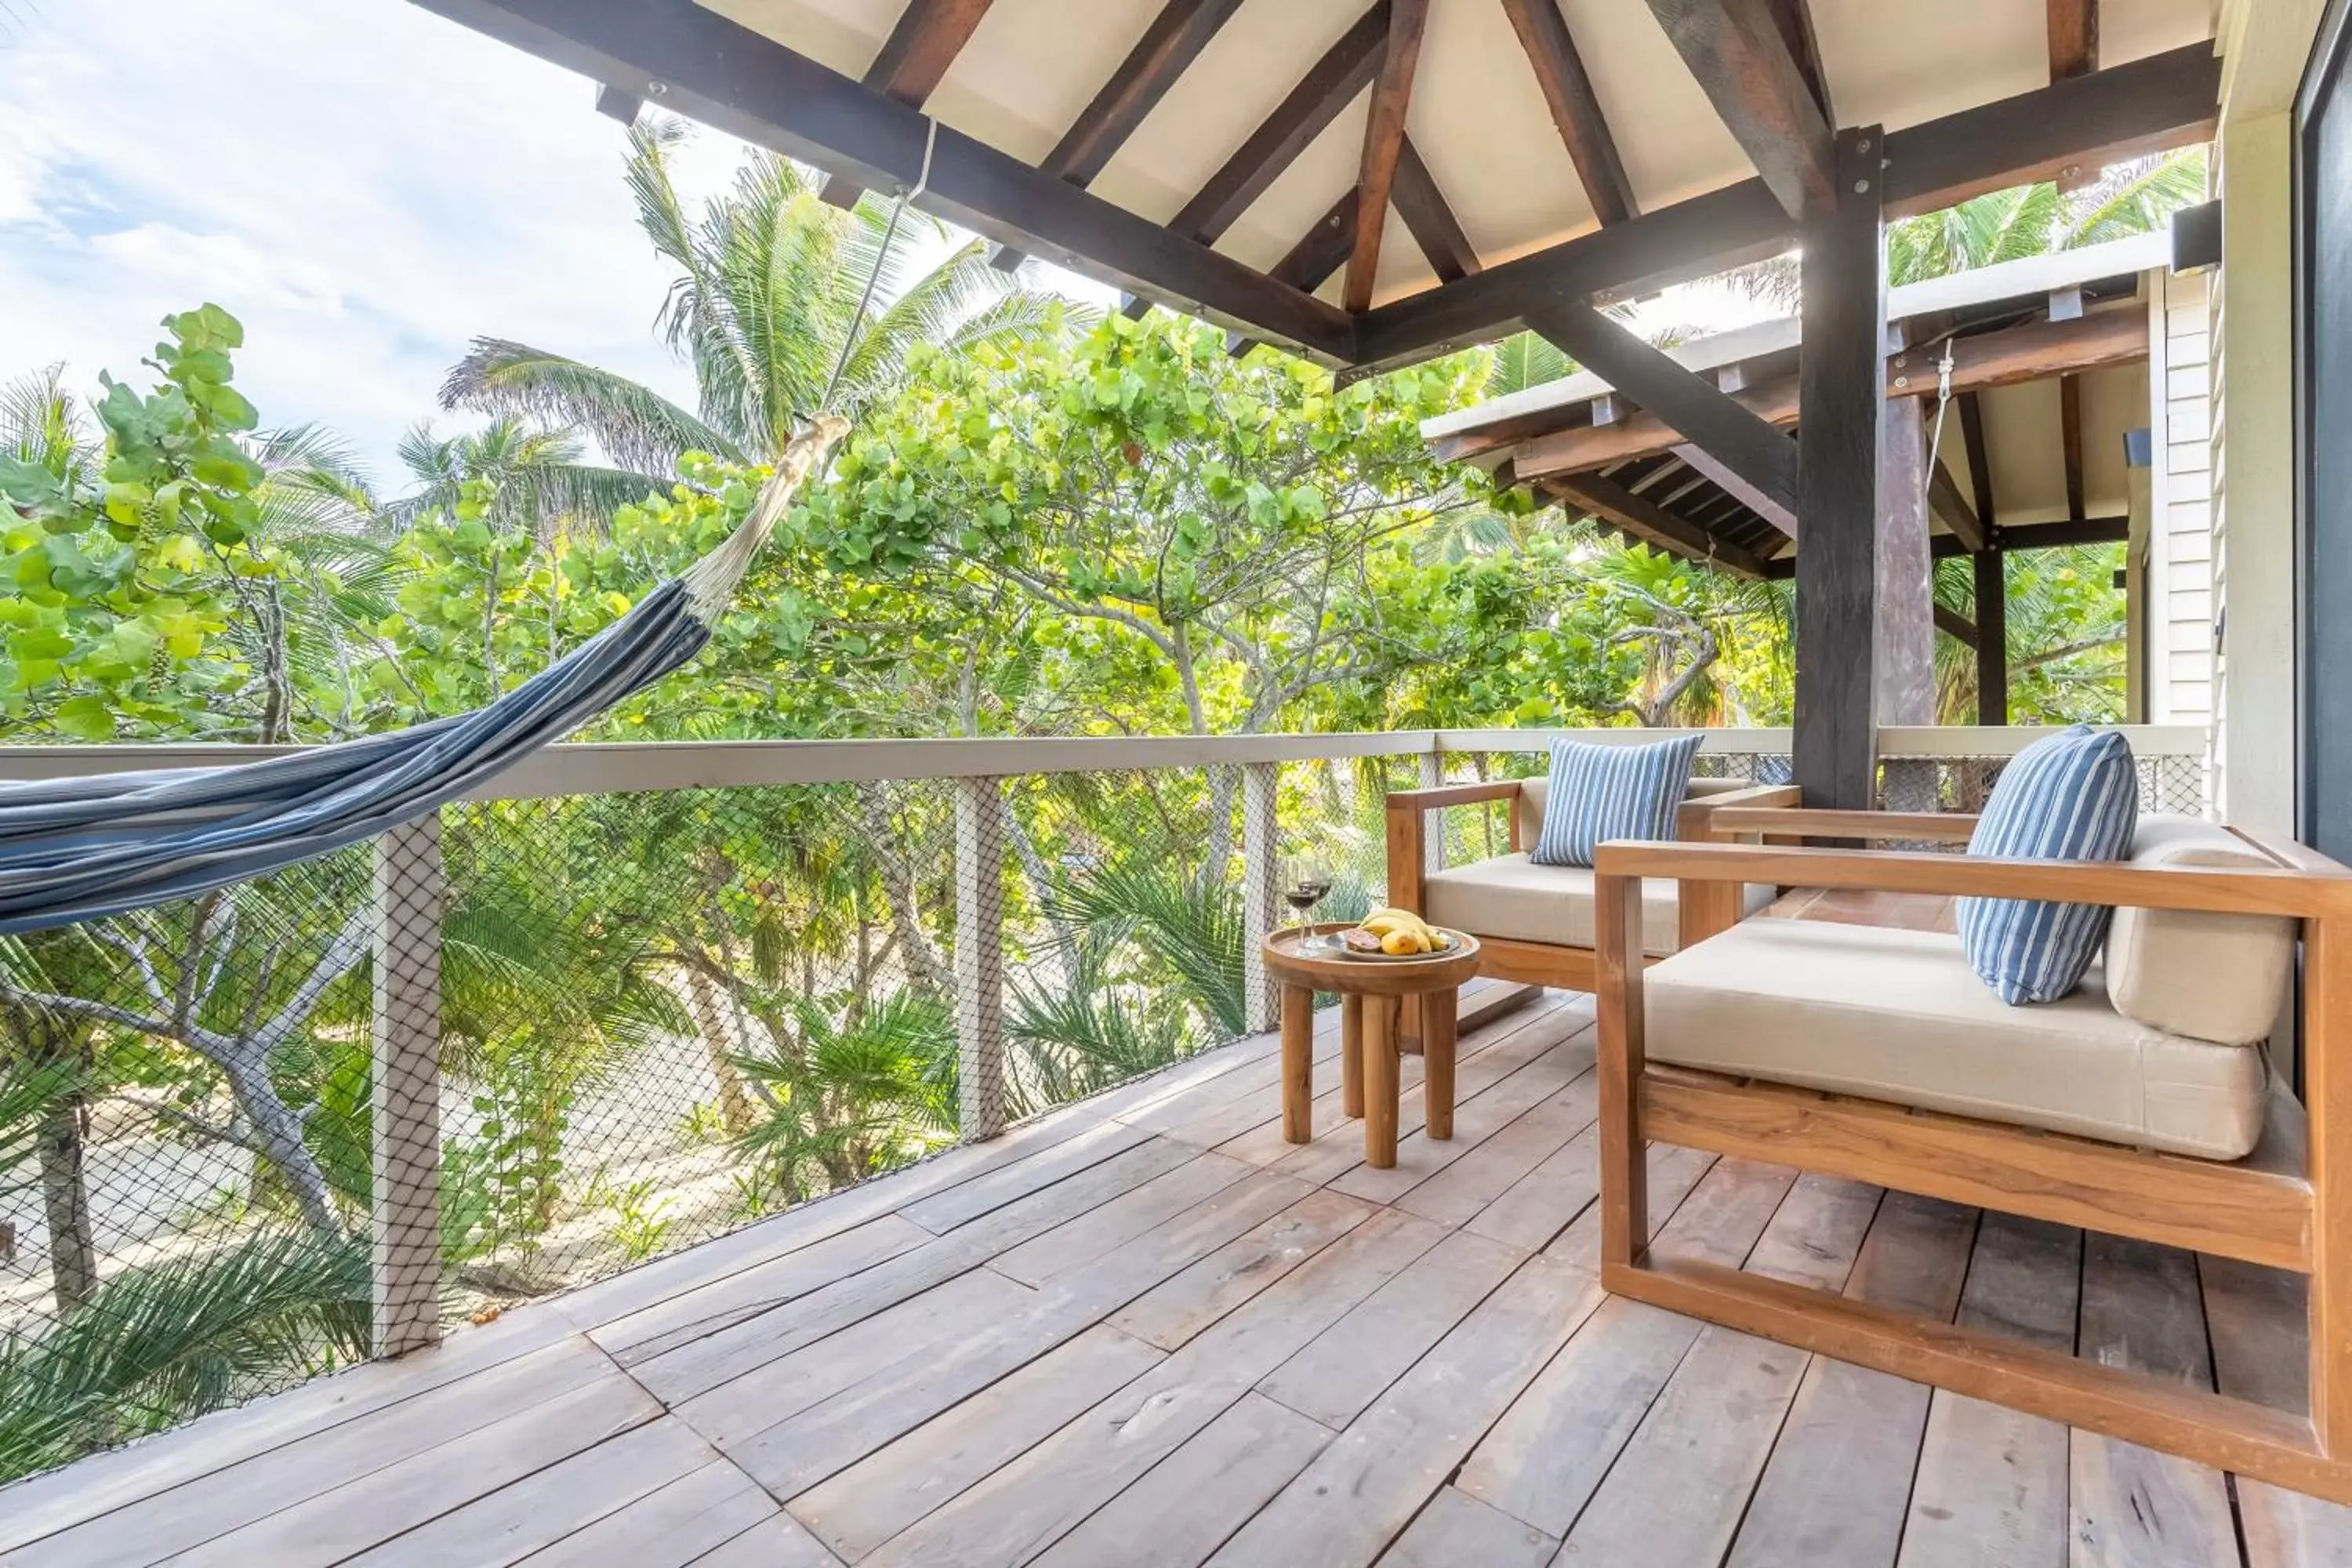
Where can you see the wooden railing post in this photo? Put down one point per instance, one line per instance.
(1261, 891)
(1433, 845)
(410, 894)
(980, 957)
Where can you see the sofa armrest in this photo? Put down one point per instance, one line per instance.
(1773, 822)
(1694, 819)
(1408, 828)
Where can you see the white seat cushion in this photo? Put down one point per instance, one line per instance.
(1513, 898)
(1899, 1016)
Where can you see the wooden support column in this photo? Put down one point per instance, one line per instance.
(1261, 892)
(979, 958)
(404, 1124)
(1904, 644)
(1842, 402)
(1992, 637)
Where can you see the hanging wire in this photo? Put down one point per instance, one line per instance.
(881, 259)
(1943, 402)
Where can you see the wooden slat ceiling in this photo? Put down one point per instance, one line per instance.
(1504, 94)
(1197, 153)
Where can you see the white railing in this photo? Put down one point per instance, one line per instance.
(411, 899)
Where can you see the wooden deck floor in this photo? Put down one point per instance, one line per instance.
(1146, 1331)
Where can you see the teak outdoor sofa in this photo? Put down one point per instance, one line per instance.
(1534, 923)
(1876, 1055)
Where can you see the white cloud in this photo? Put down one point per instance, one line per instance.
(366, 185)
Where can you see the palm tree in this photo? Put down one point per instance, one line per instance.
(2035, 220)
(767, 293)
(536, 478)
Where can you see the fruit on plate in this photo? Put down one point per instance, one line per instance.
(1359, 940)
(1401, 933)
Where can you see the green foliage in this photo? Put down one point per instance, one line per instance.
(162, 1343)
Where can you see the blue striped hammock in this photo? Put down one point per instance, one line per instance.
(77, 849)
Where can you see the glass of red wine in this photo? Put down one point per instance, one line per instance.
(1306, 882)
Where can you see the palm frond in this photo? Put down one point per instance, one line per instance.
(1197, 932)
(159, 1345)
(636, 426)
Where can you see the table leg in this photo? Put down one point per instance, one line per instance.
(1298, 1064)
(1381, 1082)
(1438, 1018)
(1351, 1054)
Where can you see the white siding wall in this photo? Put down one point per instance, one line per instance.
(2180, 539)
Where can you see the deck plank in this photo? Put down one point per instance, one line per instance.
(1031, 1503)
(1411, 1440)
(1338, 1150)
(670, 1528)
(45, 1505)
(2256, 1321)
(511, 1523)
(682, 1370)
(2130, 1505)
(1086, 1236)
(1991, 1482)
(187, 1515)
(743, 1407)
(775, 1542)
(749, 1292)
(1456, 1529)
(1546, 1201)
(1547, 1455)
(882, 1494)
(1860, 1425)
(966, 1200)
(1678, 1489)
(346, 1520)
(1455, 1195)
(1186, 1506)
(1120, 1347)
(1170, 1313)
(1475, 1118)
(799, 1452)
(1353, 1362)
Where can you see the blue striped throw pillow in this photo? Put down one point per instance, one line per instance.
(1600, 793)
(2071, 796)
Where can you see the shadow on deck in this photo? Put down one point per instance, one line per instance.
(1146, 1331)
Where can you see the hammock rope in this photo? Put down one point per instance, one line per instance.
(79, 849)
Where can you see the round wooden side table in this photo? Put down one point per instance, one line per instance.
(1369, 995)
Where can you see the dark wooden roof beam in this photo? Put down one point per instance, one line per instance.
(2074, 38)
(1956, 626)
(2082, 124)
(915, 59)
(1575, 109)
(1383, 146)
(1326, 90)
(1719, 426)
(1429, 219)
(1167, 49)
(2070, 440)
(1794, 18)
(2150, 105)
(1652, 524)
(728, 76)
(1945, 501)
(1743, 63)
(1972, 432)
(2031, 352)
(1321, 251)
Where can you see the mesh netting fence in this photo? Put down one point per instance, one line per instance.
(2167, 783)
(558, 1036)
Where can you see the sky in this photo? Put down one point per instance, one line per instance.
(366, 185)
